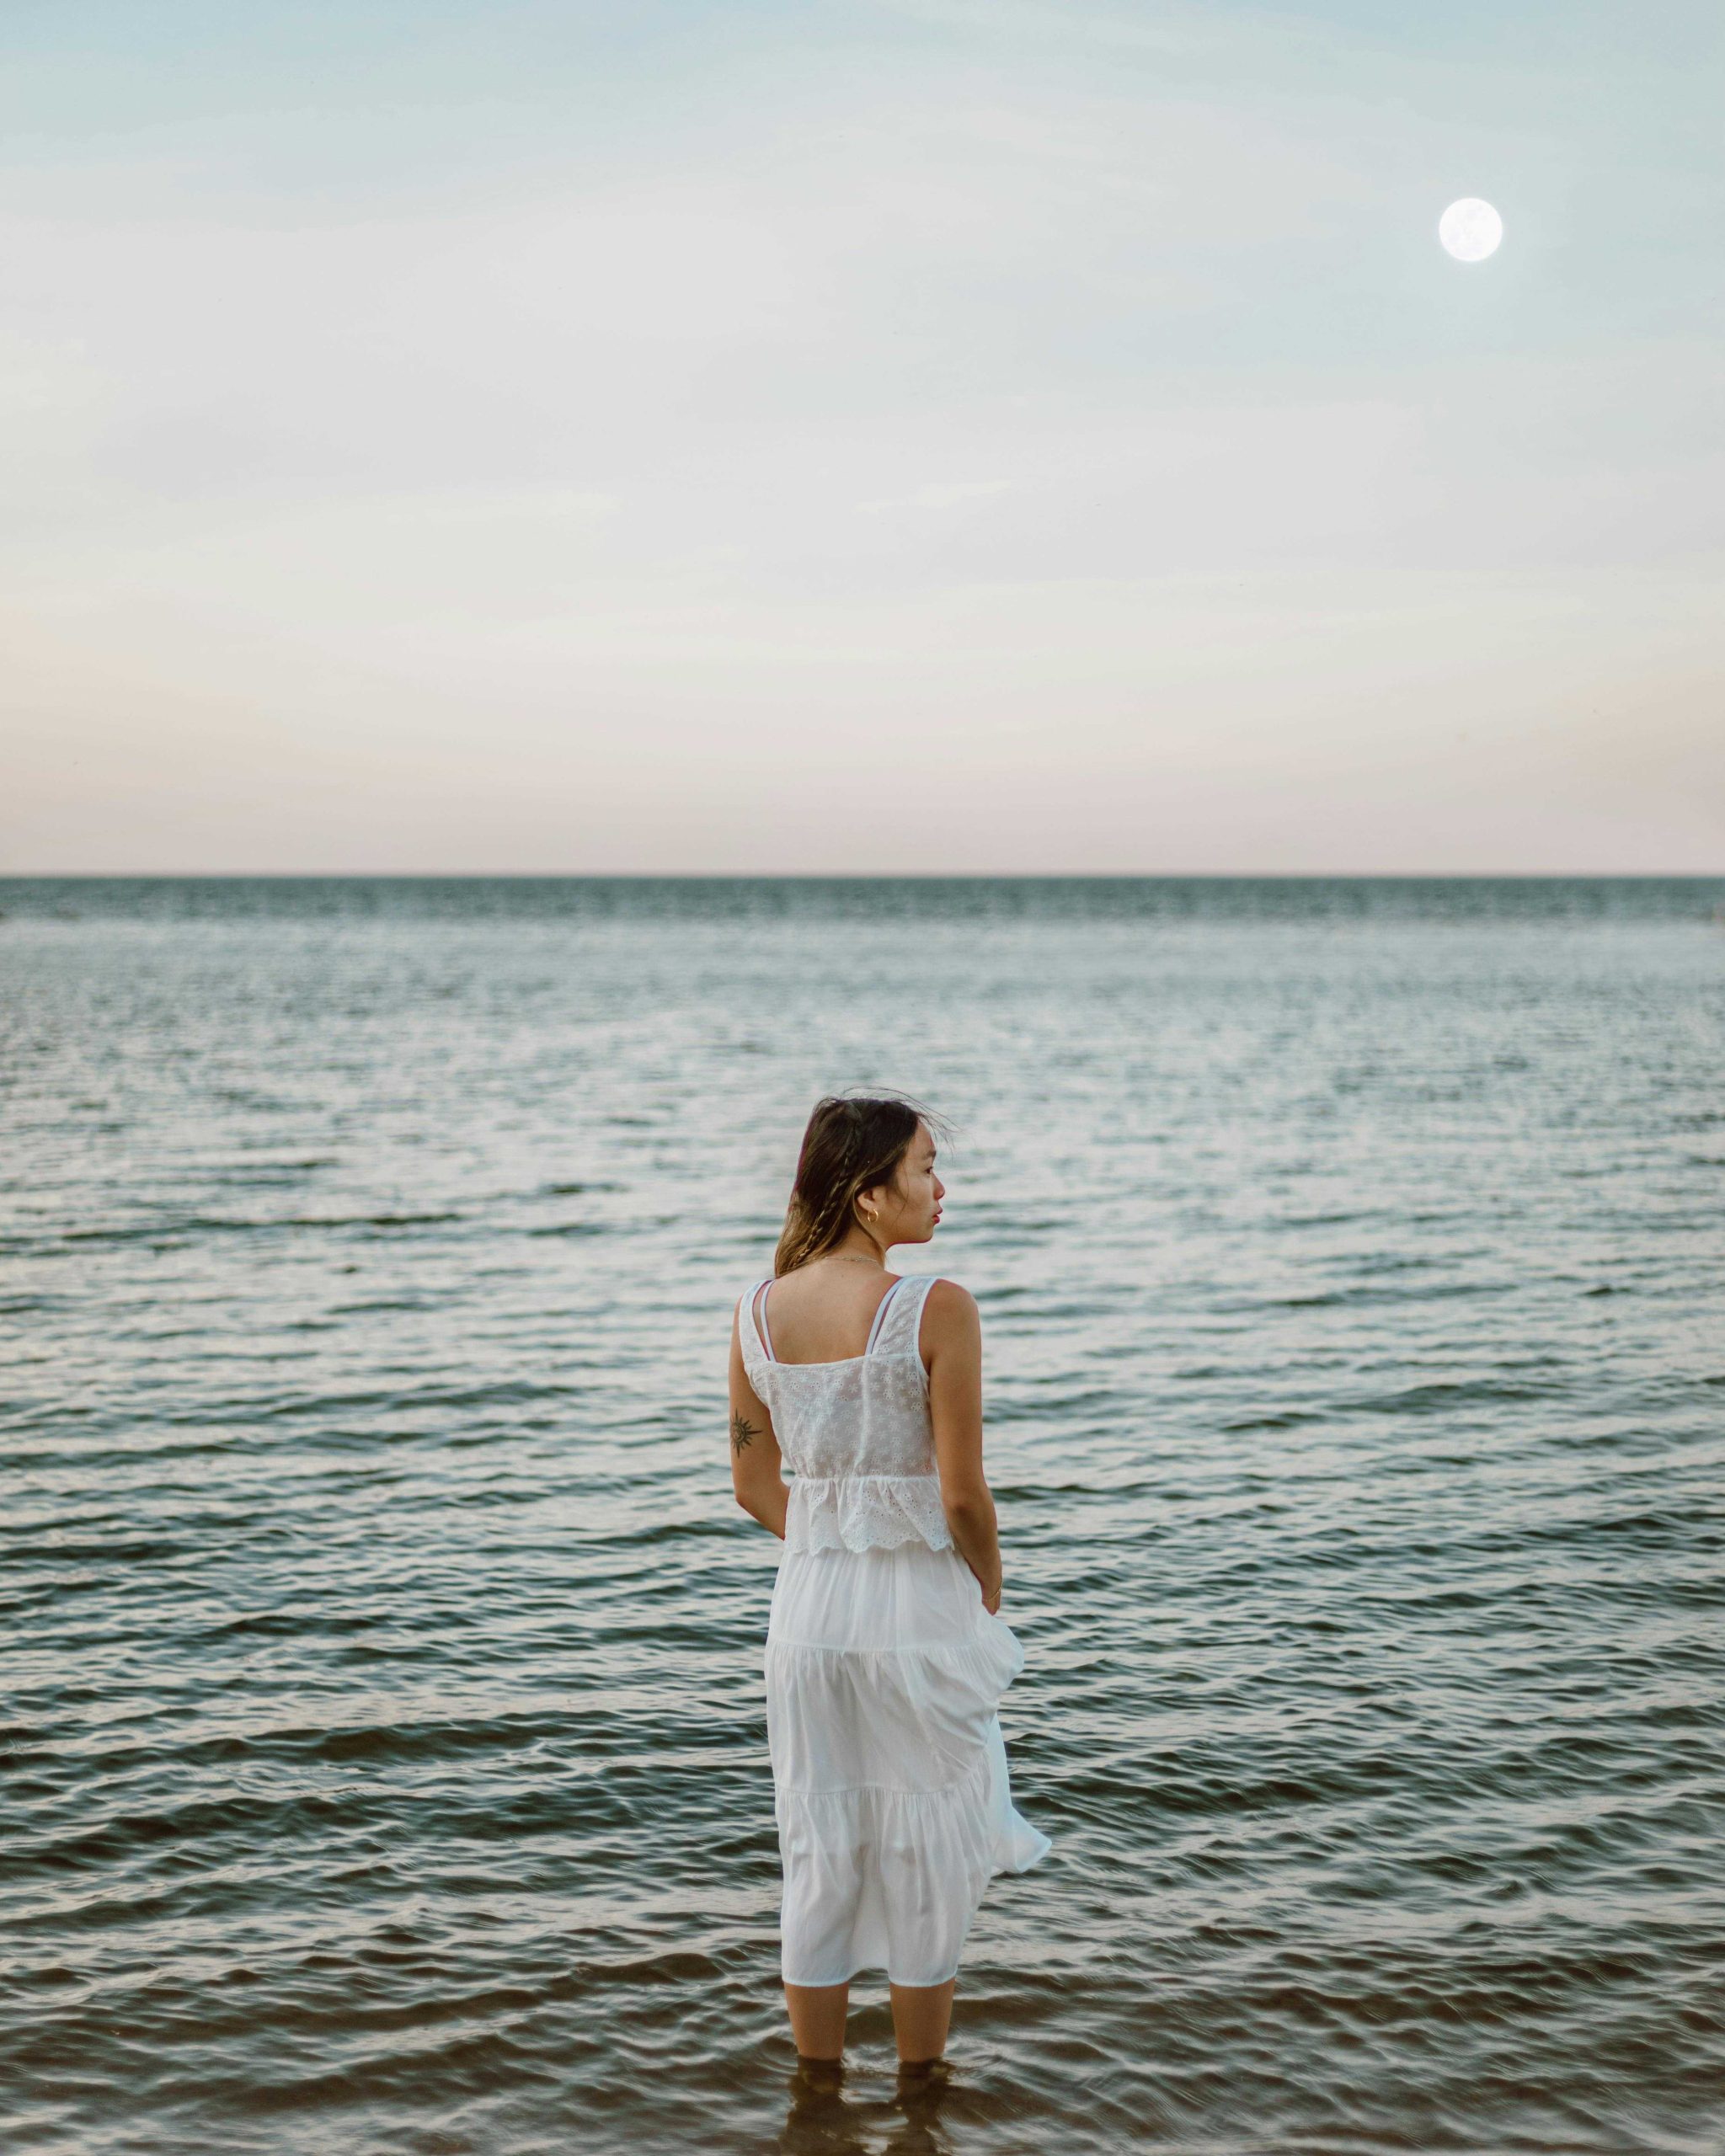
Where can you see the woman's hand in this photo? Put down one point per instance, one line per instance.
(991, 1603)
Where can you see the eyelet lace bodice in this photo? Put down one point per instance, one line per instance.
(856, 1433)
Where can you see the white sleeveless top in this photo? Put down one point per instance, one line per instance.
(855, 1434)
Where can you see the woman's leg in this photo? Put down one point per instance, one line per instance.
(817, 2014)
(921, 2014)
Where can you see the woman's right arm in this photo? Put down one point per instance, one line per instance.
(951, 1333)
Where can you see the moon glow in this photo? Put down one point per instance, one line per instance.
(1470, 229)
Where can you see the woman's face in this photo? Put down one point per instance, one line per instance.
(910, 1205)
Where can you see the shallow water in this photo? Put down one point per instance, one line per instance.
(385, 1746)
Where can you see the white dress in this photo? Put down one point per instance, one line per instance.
(883, 1671)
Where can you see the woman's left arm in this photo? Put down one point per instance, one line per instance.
(756, 1464)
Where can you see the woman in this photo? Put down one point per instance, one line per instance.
(885, 1658)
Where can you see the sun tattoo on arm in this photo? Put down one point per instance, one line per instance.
(743, 1433)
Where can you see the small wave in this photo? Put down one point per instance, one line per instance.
(214, 1224)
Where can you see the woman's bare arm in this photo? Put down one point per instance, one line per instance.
(756, 1465)
(952, 1333)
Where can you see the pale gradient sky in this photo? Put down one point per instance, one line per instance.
(860, 435)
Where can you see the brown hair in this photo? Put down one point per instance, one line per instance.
(852, 1143)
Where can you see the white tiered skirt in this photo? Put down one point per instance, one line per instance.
(884, 1678)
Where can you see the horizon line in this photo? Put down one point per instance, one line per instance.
(867, 875)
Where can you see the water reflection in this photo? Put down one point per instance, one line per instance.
(822, 2119)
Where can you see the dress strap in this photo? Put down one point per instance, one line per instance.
(751, 1326)
(880, 1311)
(897, 1322)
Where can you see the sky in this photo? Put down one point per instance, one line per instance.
(861, 436)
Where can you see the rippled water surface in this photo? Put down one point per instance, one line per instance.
(385, 1757)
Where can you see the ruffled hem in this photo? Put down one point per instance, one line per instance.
(892, 1878)
(865, 1511)
(973, 1815)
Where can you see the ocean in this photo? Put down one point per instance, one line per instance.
(384, 1753)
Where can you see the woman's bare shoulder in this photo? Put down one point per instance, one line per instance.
(948, 1309)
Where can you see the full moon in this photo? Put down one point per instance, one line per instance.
(1470, 229)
